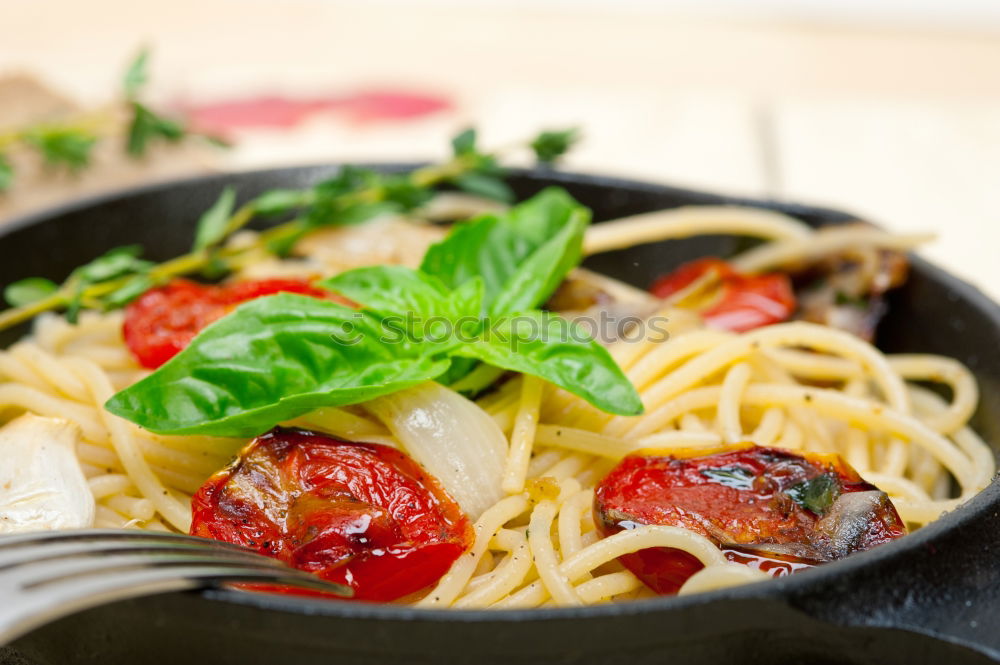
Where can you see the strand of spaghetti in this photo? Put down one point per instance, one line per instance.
(54, 332)
(815, 366)
(132, 507)
(809, 432)
(720, 577)
(691, 221)
(571, 515)
(598, 468)
(898, 486)
(857, 451)
(727, 413)
(544, 554)
(585, 441)
(50, 370)
(15, 371)
(343, 423)
(698, 437)
(965, 391)
(977, 450)
(523, 435)
(824, 242)
(43, 404)
(668, 355)
(689, 422)
(607, 586)
(567, 467)
(108, 484)
(128, 451)
(450, 586)
(506, 577)
(769, 427)
(544, 460)
(787, 334)
(614, 546)
(925, 470)
(160, 456)
(106, 518)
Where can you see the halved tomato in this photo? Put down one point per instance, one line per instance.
(162, 321)
(359, 514)
(740, 302)
(769, 508)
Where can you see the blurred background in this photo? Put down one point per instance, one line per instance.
(887, 108)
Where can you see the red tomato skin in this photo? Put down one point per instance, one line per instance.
(745, 302)
(360, 514)
(163, 320)
(663, 489)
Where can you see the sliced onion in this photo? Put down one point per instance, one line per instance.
(849, 518)
(455, 440)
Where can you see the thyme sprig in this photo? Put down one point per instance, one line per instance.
(69, 142)
(352, 196)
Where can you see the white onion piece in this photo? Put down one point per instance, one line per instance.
(41, 483)
(455, 440)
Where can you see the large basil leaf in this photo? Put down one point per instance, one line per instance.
(392, 290)
(522, 255)
(272, 359)
(546, 345)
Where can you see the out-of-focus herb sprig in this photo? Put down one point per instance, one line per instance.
(354, 195)
(69, 143)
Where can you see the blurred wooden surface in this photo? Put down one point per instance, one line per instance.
(901, 125)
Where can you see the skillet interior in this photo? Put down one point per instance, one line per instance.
(936, 582)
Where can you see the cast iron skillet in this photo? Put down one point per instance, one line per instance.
(932, 597)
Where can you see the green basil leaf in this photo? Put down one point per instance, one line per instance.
(464, 143)
(136, 75)
(273, 359)
(551, 145)
(816, 494)
(548, 346)
(279, 201)
(539, 275)
(6, 173)
(29, 290)
(393, 290)
(485, 185)
(414, 304)
(500, 249)
(212, 225)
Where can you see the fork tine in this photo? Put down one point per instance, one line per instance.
(48, 575)
(13, 541)
(31, 553)
(69, 595)
(37, 574)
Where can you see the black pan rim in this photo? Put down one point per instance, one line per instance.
(800, 583)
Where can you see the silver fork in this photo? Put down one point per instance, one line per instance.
(48, 575)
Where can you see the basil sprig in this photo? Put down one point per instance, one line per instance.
(278, 357)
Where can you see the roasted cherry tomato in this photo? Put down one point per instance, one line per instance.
(768, 508)
(359, 514)
(743, 302)
(163, 320)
